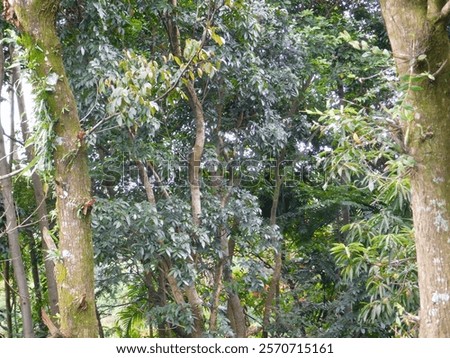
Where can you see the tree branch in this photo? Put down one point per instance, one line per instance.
(52, 328)
(445, 12)
(11, 174)
(443, 15)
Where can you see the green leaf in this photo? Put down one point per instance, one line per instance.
(416, 88)
(177, 60)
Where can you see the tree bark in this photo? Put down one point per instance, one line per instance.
(146, 182)
(75, 267)
(8, 308)
(101, 332)
(34, 266)
(418, 34)
(235, 311)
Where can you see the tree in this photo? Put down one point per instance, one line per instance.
(12, 229)
(74, 259)
(220, 211)
(47, 241)
(418, 34)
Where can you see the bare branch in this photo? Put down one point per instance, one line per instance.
(445, 12)
(13, 139)
(158, 180)
(100, 122)
(52, 328)
(11, 174)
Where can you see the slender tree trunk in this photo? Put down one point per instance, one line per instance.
(12, 143)
(196, 203)
(101, 332)
(223, 277)
(418, 34)
(34, 265)
(165, 263)
(276, 276)
(163, 328)
(146, 182)
(217, 287)
(194, 165)
(14, 244)
(8, 308)
(235, 311)
(75, 269)
(39, 195)
(12, 230)
(196, 154)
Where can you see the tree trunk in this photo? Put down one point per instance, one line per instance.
(223, 277)
(12, 230)
(101, 332)
(75, 267)
(276, 276)
(12, 142)
(235, 311)
(34, 265)
(14, 244)
(418, 34)
(218, 280)
(39, 195)
(194, 165)
(165, 263)
(8, 308)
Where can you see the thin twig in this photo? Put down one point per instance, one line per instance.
(99, 123)
(93, 106)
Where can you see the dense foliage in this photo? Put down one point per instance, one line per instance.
(303, 164)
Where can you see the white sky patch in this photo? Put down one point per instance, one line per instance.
(5, 108)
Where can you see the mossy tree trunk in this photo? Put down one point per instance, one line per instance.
(417, 31)
(75, 267)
